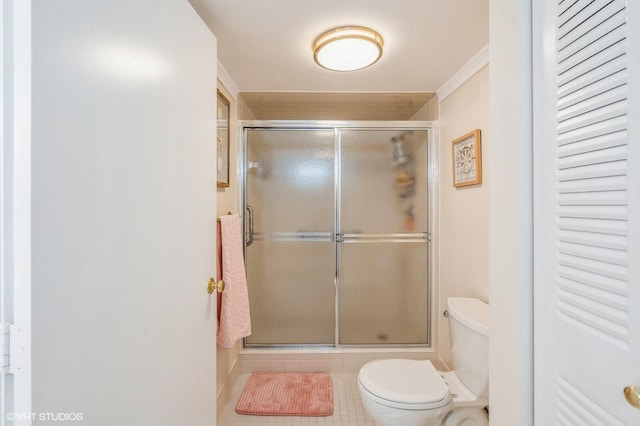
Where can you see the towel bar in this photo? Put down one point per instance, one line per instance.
(219, 286)
(218, 219)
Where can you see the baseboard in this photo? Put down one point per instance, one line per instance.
(224, 393)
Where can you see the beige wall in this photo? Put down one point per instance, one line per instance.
(464, 212)
(228, 197)
(227, 201)
(244, 113)
(228, 360)
(429, 112)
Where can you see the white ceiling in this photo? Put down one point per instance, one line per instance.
(265, 45)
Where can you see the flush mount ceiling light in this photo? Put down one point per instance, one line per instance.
(347, 48)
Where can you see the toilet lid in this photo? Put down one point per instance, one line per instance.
(405, 381)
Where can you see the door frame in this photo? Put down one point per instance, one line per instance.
(510, 178)
(15, 216)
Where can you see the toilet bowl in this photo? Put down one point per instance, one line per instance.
(403, 392)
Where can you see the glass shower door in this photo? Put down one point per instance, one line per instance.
(383, 291)
(290, 254)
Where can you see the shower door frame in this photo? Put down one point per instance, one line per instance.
(337, 126)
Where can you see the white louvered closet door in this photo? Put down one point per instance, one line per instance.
(587, 211)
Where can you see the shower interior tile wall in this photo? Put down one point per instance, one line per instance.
(328, 361)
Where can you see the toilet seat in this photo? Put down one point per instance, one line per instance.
(403, 383)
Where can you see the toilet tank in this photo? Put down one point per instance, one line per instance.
(469, 331)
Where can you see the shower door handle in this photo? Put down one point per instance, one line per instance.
(248, 236)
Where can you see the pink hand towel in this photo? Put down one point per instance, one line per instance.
(235, 321)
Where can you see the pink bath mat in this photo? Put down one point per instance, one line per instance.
(287, 394)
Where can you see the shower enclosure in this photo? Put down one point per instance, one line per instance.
(336, 233)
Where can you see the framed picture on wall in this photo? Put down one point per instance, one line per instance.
(467, 159)
(222, 141)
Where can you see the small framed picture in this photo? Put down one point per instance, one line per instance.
(222, 142)
(467, 159)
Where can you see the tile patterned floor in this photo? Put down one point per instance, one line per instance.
(347, 408)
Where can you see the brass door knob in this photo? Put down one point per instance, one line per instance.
(632, 395)
(213, 285)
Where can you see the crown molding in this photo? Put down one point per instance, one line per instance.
(468, 70)
(227, 81)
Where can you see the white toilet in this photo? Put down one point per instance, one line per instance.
(402, 392)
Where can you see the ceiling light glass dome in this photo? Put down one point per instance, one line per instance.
(347, 48)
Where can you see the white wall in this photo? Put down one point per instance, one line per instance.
(124, 190)
(464, 212)
(510, 223)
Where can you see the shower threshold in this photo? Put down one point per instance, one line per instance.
(327, 359)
